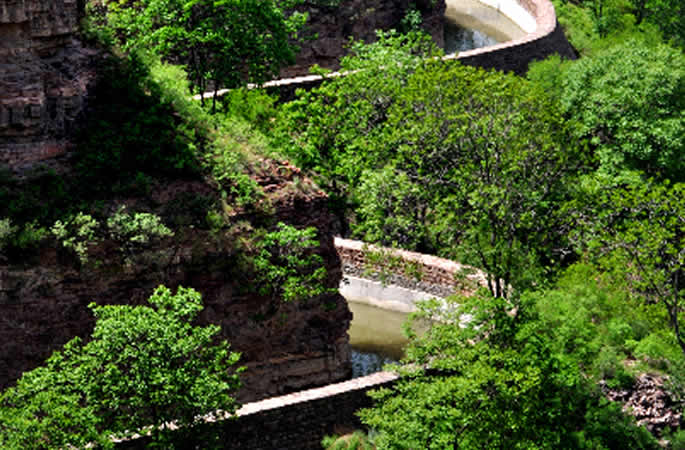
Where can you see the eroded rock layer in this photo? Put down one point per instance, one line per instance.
(45, 73)
(44, 296)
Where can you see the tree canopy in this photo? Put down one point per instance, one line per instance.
(144, 367)
(225, 43)
(476, 158)
(629, 100)
(495, 381)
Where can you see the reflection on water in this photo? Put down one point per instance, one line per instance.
(458, 39)
(376, 338)
(470, 24)
(367, 363)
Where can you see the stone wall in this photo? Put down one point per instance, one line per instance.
(45, 73)
(436, 275)
(297, 421)
(515, 56)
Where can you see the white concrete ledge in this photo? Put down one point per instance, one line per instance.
(511, 9)
(375, 293)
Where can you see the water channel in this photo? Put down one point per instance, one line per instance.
(471, 24)
(376, 337)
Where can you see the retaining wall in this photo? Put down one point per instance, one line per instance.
(547, 39)
(385, 296)
(430, 274)
(515, 56)
(301, 420)
(293, 422)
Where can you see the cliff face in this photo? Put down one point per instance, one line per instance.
(286, 347)
(45, 72)
(332, 26)
(46, 75)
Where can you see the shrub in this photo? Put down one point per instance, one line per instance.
(136, 230)
(286, 265)
(6, 231)
(77, 233)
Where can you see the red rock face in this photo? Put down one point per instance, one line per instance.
(45, 75)
(286, 346)
(45, 72)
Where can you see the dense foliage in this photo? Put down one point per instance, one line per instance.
(223, 43)
(513, 378)
(521, 178)
(145, 366)
(629, 100)
(442, 158)
(642, 228)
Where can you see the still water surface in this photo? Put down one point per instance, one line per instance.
(470, 24)
(375, 337)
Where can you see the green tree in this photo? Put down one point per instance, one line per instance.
(479, 158)
(392, 211)
(332, 130)
(223, 43)
(493, 155)
(494, 381)
(667, 15)
(144, 367)
(641, 228)
(629, 100)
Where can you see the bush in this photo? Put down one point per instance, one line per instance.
(76, 234)
(286, 266)
(136, 230)
(355, 441)
(133, 129)
(7, 230)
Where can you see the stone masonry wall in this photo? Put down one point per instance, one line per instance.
(297, 421)
(438, 276)
(45, 74)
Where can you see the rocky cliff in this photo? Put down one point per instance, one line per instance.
(46, 80)
(331, 24)
(286, 346)
(45, 73)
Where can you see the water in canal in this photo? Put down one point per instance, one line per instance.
(375, 337)
(470, 24)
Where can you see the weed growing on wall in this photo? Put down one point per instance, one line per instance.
(383, 264)
(76, 234)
